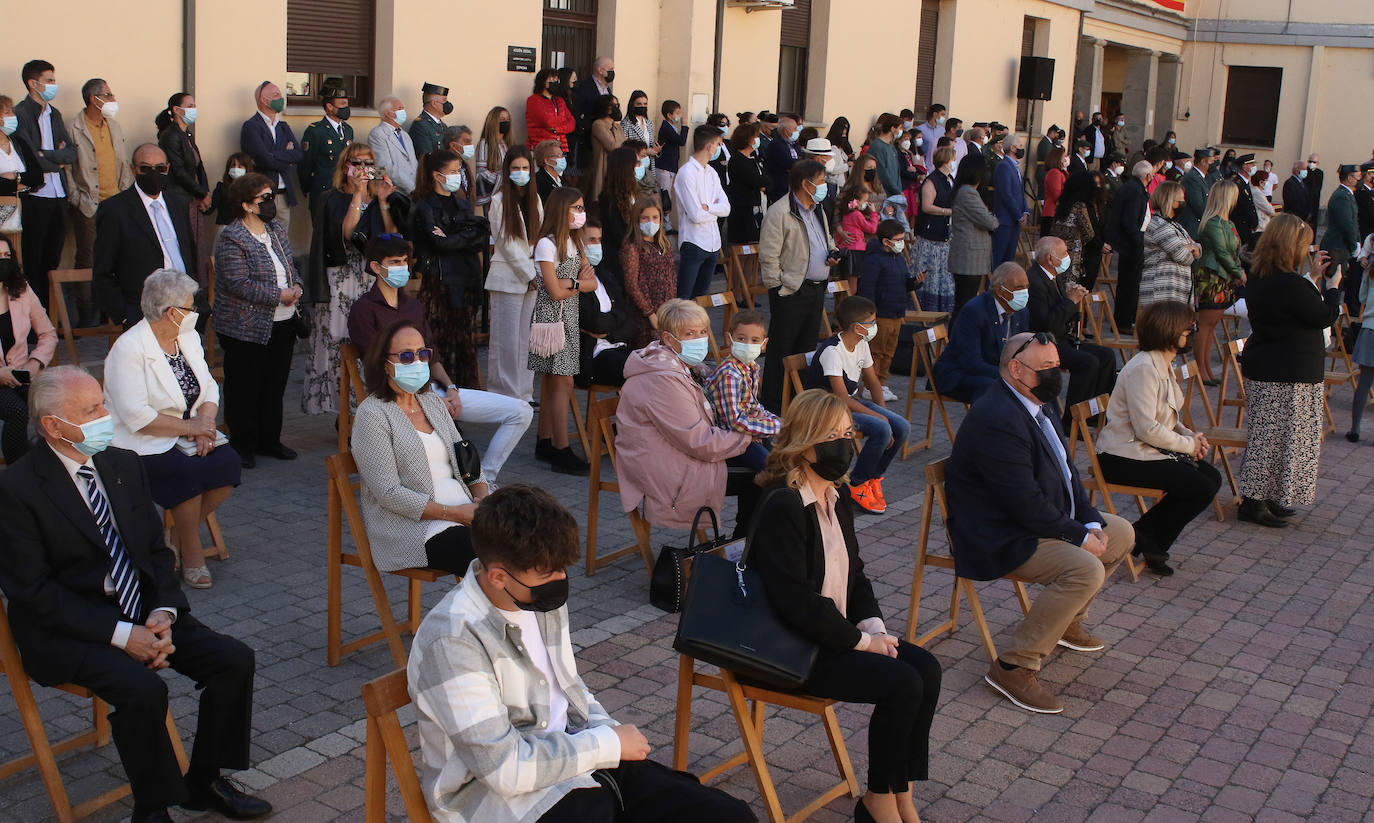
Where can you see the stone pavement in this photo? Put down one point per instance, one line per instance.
(1241, 688)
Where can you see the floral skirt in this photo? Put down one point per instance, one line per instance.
(936, 292)
(328, 330)
(1284, 442)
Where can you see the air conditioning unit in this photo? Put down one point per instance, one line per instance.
(761, 5)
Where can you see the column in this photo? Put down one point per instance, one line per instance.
(1170, 70)
(1087, 79)
(1138, 96)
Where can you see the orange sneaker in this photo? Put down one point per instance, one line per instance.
(876, 484)
(866, 499)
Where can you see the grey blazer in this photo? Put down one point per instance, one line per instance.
(396, 483)
(970, 233)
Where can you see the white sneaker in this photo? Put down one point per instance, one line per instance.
(888, 395)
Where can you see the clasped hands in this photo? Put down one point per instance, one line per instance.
(151, 643)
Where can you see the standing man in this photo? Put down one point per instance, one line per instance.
(1315, 179)
(44, 209)
(1114, 175)
(1098, 139)
(796, 253)
(584, 96)
(323, 142)
(1124, 226)
(429, 127)
(889, 165)
(1009, 202)
(1195, 188)
(1342, 236)
(1116, 136)
(931, 132)
(392, 146)
(1295, 193)
(781, 155)
(1244, 216)
(138, 231)
(99, 173)
(272, 145)
(768, 125)
(700, 201)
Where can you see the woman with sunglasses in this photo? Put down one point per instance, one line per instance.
(1144, 442)
(417, 507)
(257, 290)
(362, 204)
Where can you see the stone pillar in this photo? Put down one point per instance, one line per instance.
(1166, 104)
(1138, 97)
(1087, 78)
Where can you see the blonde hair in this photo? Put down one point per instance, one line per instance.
(353, 150)
(1220, 201)
(1282, 246)
(676, 313)
(1165, 198)
(809, 419)
(660, 239)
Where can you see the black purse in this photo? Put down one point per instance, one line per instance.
(469, 461)
(669, 581)
(728, 621)
(300, 322)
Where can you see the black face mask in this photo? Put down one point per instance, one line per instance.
(551, 86)
(870, 175)
(610, 77)
(448, 108)
(503, 127)
(1051, 381)
(267, 210)
(545, 597)
(616, 114)
(343, 113)
(7, 269)
(151, 182)
(833, 458)
(640, 111)
(1018, 153)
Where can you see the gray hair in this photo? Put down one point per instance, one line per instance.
(48, 393)
(164, 289)
(1048, 244)
(452, 133)
(1009, 350)
(1003, 273)
(1144, 169)
(389, 104)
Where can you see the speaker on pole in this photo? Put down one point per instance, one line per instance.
(1036, 80)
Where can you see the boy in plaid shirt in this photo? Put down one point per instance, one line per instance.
(734, 389)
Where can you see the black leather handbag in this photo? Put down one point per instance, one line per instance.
(469, 460)
(669, 581)
(727, 620)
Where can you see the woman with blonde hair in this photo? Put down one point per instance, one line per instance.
(646, 258)
(1169, 251)
(492, 145)
(1216, 274)
(805, 549)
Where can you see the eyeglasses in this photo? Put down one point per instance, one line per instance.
(1044, 338)
(265, 196)
(362, 163)
(144, 168)
(409, 356)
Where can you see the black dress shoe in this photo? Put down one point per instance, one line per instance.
(226, 796)
(1353, 437)
(1159, 564)
(159, 816)
(248, 461)
(1279, 511)
(279, 451)
(544, 450)
(565, 461)
(861, 813)
(1256, 511)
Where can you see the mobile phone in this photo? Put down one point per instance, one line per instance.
(22, 375)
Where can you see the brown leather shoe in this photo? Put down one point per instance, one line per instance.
(1021, 687)
(1080, 640)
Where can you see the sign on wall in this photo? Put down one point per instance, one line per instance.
(1172, 5)
(520, 58)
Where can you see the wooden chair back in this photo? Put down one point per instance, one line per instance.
(711, 301)
(839, 289)
(352, 392)
(792, 367)
(1221, 439)
(742, 273)
(386, 742)
(920, 317)
(1230, 371)
(57, 308)
(601, 422)
(928, 343)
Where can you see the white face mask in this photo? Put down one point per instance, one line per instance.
(1117, 170)
(906, 145)
(110, 109)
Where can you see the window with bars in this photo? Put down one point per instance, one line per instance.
(569, 36)
(1252, 105)
(329, 43)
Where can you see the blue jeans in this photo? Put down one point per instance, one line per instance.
(695, 268)
(877, 455)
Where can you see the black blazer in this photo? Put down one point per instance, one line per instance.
(1125, 216)
(545, 183)
(1295, 198)
(789, 555)
(53, 560)
(31, 176)
(747, 182)
(127, 250)
(1048, 309)
(1287, 315)
(1244, 216)
(1005, 489)
(187, 170)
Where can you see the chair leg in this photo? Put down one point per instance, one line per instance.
(216, 538)
(388, 618)
(177, 747)
(646, 552)
(682, 726)
(413, 606)
(42, 749)
(100, 716)
(1021, 596)
(979, 619)
(334, 574)
(579, 423)
(374, 781)
(753, 747)
(839, 751)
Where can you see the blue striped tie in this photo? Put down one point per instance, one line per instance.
(121, 569)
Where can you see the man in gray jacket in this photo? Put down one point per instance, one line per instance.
(796, 253)
(100, 172)
(45, 208)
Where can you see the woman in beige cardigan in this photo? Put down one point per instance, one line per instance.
(607, 135)
(1145, 444)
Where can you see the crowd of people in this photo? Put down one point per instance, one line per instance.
(580, 253)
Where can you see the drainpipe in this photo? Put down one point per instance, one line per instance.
(720, 39)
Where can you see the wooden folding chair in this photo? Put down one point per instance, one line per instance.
(601, 419)
(839, 289)
(387, 742)
(350, 388)
(935, 496)
(343, 503)
(579, 420)
(57, 307)
(1220, 438)
(44, 755)
(1230, 370)
(711, 301)
(928, 344)
(217, 549)
(919, 317)
(1116, 341)
(749, 704)
(792, 367)
(1105, 276)
(742, 274)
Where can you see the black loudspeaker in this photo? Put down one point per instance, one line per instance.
(1036, 81)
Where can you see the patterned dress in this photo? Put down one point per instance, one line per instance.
(564, 362)
(329, 330)
(937, 291)
(1076, 230)
(650, 281)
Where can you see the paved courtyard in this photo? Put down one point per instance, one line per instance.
(1239, 689)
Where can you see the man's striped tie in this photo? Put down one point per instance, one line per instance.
(121, 568)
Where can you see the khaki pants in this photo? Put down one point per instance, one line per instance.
(80, 307)
(1071, 577)
(884, 346)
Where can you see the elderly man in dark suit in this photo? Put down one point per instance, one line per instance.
(138, 231)
(1295, 199)
(968, 365)
(1017, 506)
(268, 139)
(93, 601)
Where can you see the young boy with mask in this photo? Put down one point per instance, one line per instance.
(887, 281)
(842, 364)
(508, 730)
(734, 389)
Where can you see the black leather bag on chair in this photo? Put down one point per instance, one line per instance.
(669, 581)
(727, 620)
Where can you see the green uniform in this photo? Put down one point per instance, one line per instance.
(1195, 188)
(322, 145)
(426, 134)
(1342, 233)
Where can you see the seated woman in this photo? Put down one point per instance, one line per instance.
(163, 400)
(416, 506)
(20, 313)
(607, 318)
(805, 550)
(1144, 444)
(671, 453)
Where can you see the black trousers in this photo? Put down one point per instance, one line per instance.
(1092, 371)
(1129, 267)
(648, 793)
(1189, 491)
(45, 232)
(793, 326)
(903, 691)
(255, 378)
(14, 416)
(739, 484)
(451, 550)
(966, 288)
(222, 668)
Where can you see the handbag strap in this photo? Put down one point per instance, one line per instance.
(715, 524)
(753, 527)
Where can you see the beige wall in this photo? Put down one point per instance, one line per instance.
(1313, 11)
(844, 78)
(749, 61)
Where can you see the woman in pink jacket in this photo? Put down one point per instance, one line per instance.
(20, 312)
(671, 455)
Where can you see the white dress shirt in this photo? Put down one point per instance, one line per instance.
(696, 186)
(52, 180)
(272, 130)
(162, 224)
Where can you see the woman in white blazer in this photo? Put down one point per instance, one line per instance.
(515, 214)
(163, 400)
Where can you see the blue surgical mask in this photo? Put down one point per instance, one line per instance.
(648, 229)
(639, 172)
(1019, 299)
(561, 164)
(746, 352)
(644, 162)
(693, 351)
(411, 377)
(724, 129)
(469, 151)
(792, 138)
(520, 178)
(1063, 265)
(1302, 173)
(452, 182)
(719, 151)
(11, 124)
(757, 143)
(821, 191)
(397, 276)
(95, 435)
(594, 254)
(400, 115)
(190, 115)
(49, 91)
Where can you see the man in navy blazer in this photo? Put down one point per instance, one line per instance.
(1017, 506)
(969, 364)
(270, 142)
(1009, 201)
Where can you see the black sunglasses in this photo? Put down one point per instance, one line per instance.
(1044, 338)
(405, 358)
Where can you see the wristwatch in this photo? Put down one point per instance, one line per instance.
(452, 387)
